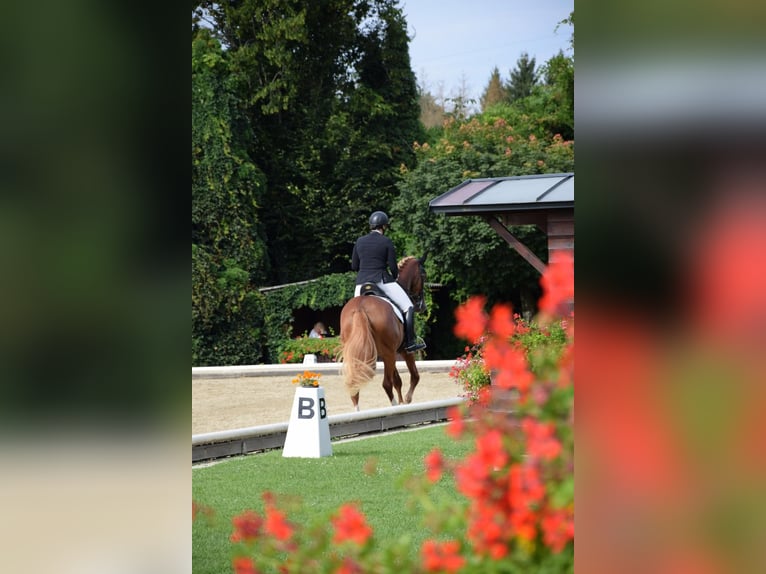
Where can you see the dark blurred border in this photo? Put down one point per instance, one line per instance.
(94, 291)
(670, 113)
(94, 344)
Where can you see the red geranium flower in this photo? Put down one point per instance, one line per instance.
(434, 465)
(558, 284)
(277, 525)
(442, 556)
(456, 424)
(243, 565)
(350, 524)
(471, 319)
(247, 526)
(501, 322)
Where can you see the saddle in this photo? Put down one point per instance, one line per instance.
(373, 289)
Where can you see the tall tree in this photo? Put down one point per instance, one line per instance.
(228, 253)
(559, 83)
(432, 113)
(332, 102)
(466, 252)
(522, 79)
(373, 130)
(494, 93)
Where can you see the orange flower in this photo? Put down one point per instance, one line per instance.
(350, 524)
(307, 379)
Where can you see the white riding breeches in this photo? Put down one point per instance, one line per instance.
(394, 291)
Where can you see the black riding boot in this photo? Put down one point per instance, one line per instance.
(411, 345)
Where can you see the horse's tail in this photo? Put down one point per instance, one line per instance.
(359, 353)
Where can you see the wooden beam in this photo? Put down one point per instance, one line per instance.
(522, 249)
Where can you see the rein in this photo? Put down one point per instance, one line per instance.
(418, 299)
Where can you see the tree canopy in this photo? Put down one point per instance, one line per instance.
(306, 117)
(523, 78)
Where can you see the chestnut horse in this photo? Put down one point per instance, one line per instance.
(371, 331)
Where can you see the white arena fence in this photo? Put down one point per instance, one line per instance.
(236, 442)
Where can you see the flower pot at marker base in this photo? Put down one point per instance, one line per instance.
(308, 432)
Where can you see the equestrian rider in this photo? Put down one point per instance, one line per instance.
(374, 259)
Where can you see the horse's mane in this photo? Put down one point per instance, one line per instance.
(403, 261)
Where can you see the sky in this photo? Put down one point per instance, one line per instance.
(456, 39)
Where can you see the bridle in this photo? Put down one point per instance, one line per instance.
(419, 299)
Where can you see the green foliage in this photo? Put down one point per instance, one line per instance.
(228, 257)
(320, 101)
(368, 471)
(495, 92)
(469, 372)
(227, 315)
(523, 78)
(465, 252)
(226, 185)
(293, 350)
(552, 103)
(328, 291)
(543, 346)
(329, 94)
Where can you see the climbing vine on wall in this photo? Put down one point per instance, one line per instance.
(327, 291)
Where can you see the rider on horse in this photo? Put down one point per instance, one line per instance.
(374, 259)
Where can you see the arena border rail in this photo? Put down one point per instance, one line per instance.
(237, 442)
(291, 369)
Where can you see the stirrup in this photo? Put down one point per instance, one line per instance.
(415, 346)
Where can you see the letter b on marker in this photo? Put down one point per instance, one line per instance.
(306, 408)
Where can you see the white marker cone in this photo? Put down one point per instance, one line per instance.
(308, 432)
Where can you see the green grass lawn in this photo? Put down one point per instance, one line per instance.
(323, 485)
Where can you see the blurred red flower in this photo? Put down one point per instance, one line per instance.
(247, 526)
(471, 319)
(350, 524)
(243, 565)
(434, 462)
(442, 556)
(277, 525)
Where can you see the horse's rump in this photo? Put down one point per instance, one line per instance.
(369, 329)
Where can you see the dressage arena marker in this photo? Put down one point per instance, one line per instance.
(243, 441)
(308, 432)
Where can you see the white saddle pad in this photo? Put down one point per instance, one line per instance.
(397, 312)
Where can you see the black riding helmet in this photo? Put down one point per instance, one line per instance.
(378, 219)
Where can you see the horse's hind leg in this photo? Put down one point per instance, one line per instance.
(392, 381)
(409, 358)
(355, 401)
(388, 385)
(398, 386)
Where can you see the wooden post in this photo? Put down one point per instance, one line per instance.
(522, 249)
